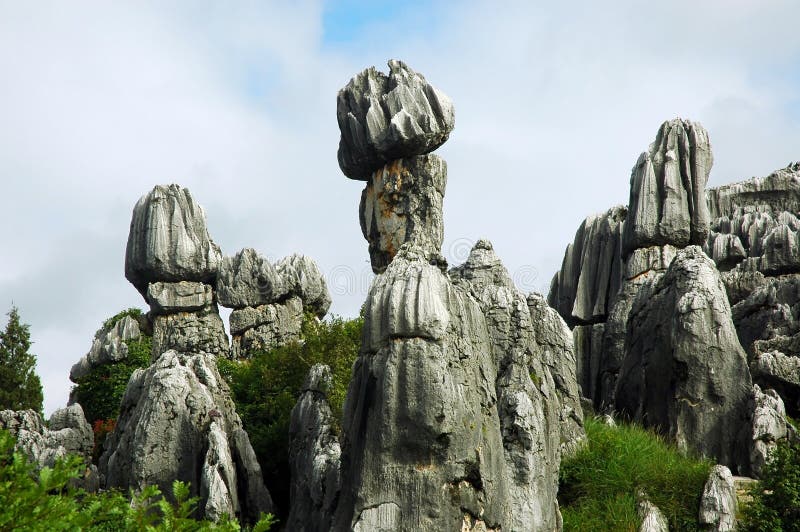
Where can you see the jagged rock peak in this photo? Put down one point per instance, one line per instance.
(177, 421)
(248, 280)
(169, 240)
(383, 118)
(718, 504)
(667, 202)
(314, 455)
(303, 278)
(401, 203)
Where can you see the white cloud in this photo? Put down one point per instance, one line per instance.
(554, 103)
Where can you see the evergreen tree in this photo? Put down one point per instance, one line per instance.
(20, 387)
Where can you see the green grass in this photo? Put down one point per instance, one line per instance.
(598, 485)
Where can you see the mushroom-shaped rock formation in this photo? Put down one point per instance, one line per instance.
(383, 118)
(169, 241)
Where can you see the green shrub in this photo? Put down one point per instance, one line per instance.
(47, 500)
(775, 504)
(133, 312)
(267, 386)
(597, 486)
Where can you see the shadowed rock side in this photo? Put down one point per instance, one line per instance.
(169, 241)
(667, 202)
(383, 118)
(314, 456)
(178, 422)
(684, 372)
(401, 203)
(583, 290)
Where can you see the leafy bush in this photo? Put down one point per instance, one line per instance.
(267, 386)
(47, 500)
(775, 504)
(598, 485)
(100, 392)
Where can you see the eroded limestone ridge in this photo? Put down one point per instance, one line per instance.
(667, 336)
(463, 398)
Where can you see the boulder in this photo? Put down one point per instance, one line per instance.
(248, 280)
(178, 422)
(383, 118)
(667, 202)
(169, 241)
(314, 455)
(303, 278)
(653, 519)
(401, 203)
(718, 504)
(108, 347)
(684, 371)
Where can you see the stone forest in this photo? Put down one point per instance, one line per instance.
(678, 313)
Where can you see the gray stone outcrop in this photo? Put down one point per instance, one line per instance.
(383, 118)
(667, 203)
(769, 426)
(201, 331)
(248, 280)
(314, 455)
(68, 433)
(108, 347)
(684, 371)
(653, 520)
(718, 503)
(169, 240)
(178, 422)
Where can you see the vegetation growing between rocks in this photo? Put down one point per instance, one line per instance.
(267, 386)
(20, 386)
(100, 392)
(48, 500)
(597, 486)
(775, 504)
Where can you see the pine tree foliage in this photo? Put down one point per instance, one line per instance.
(20, 386)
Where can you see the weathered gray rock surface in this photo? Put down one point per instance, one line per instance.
(401, 203)
(591, 273)
(667, 203)
(191, 332)
(183, 296)
(314, 455)
(684, 370)
(383, 118)
(169, 241)
(769, 426)
(108, 346)
(178, 422)
(780, 372)
(266, 327)
(248, 280)
(653, 520)
(303, 279)
(718, 504)
(68, 433)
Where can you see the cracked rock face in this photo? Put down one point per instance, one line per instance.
(304, 279)
(265, 328)
(178, 422)
(190, 332)
(314, 455)
(401, 203)
(169, 241)
(769, 425)
(718, 504)
(583, 290)
(684, 370)
(185, 296)
(108, 347)
(383, 118)
(248, 280)
(667, 203)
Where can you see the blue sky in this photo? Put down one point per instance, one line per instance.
(236, 101)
